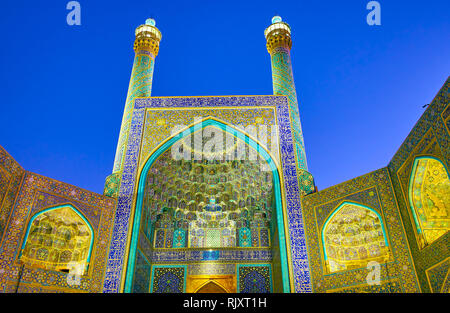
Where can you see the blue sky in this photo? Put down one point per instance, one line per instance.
(361, 89)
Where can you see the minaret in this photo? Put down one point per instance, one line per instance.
(279, 43)
(146, 47)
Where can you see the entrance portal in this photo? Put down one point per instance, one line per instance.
(207, 204)
(211, 284)
(211, 287)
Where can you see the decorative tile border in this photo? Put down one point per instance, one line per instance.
(264, 270)
(195, 255)
(212, 269)
(11, 176)
(158, 271)
(437, 275)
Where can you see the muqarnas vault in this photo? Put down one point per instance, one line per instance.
(176, 217)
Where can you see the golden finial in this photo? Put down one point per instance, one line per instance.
(147, 37)
(278, 34)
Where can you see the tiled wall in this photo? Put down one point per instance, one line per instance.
(35, 194)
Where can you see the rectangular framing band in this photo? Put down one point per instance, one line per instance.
(299, 274)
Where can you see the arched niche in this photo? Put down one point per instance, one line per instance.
(188, 202)
(352, 236)
(59, 238)
(207, 202)
(429, 198)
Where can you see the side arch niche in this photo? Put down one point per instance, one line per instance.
(352, 236)
(429, 198)
(58, 238)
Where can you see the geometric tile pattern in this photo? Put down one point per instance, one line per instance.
(212, 269)
(141, 282)
(437, 276)
(283, 84)
(389, 286)
(168, 279)
(254, 278)
(197, 255)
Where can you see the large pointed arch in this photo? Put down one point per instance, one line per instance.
(167, 144)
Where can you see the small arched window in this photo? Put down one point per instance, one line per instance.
(352, 236)
(59, 239)
(245, 237)
(429, 198)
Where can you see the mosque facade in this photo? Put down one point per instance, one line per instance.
(213, 194)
